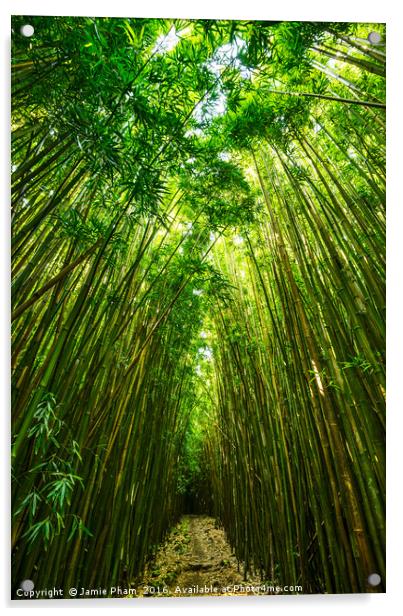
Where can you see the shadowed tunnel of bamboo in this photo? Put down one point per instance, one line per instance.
(198, 271)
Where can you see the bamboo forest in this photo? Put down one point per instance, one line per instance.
(198, 306)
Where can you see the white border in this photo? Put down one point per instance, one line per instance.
(340, 10)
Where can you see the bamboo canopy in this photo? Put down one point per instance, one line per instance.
(198, 288)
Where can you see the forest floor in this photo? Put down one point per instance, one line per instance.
(196, 559)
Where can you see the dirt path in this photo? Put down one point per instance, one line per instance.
(196, 559)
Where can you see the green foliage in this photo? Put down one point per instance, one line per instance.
(358, 362)
(46, 425)
(53, 479)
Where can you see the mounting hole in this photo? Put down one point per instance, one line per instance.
(374, 579)
(27, 30)
(27, 585)
(374, 38)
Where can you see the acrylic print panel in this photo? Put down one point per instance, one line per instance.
(198, 307)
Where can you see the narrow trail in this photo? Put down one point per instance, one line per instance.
(196, 559)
